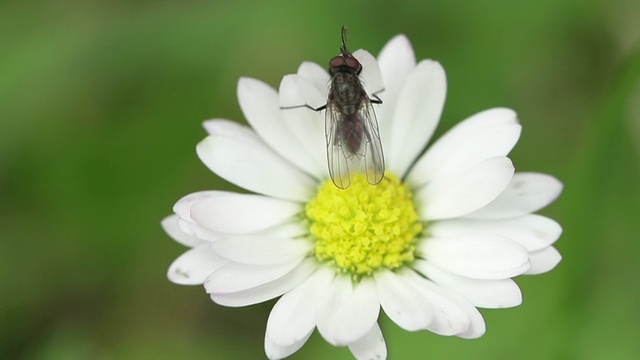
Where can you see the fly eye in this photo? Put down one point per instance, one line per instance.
(353, 63)
(336, 62)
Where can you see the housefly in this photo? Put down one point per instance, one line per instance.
(351, 128)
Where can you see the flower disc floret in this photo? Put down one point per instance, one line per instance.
(365, 227)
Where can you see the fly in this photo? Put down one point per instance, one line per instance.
(351, 128)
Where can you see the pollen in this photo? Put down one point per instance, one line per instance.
(365, 227)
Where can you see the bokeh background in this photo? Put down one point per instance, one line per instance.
(101, 104)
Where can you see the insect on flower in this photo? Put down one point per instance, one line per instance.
(351, 128)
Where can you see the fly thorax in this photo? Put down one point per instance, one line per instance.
(347, 92)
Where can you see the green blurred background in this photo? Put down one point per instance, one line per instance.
(101, 104)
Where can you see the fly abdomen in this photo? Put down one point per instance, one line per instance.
(352, 133)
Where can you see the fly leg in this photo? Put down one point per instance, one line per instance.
(320, 108)
(376, 99)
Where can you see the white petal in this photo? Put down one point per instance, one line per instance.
(527, 193)
(183, 206)
(543, 260)
(294, 315)
(401, 302)
(453, 314)
(289, 230)
(371, 346)
(487, 134)
(481, 293)
(416, 115)
(307, 125)
(211, 126)
(347, 312)
(396, 61)
(534, 232)
(194, 266)
(446, 198)
(242, 213)
(449, 319)
(260, 105)
(275, 351)
(234, 277)
(477, 256)
(199, 231)
(170, 226)
(266, 291)
(317, 75)
(219, 126)
(261, 250)
(296, 90)
(248, 162)
(477, 326)
(370, 75)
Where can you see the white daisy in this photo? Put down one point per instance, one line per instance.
(443, 234)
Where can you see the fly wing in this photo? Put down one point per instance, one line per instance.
(339, 159)
(373, 156)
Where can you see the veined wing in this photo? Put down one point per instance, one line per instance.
(340, 160)
(353, 145)
(372, 145)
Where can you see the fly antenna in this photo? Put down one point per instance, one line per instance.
(343, 48)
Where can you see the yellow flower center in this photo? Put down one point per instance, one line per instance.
(365, 227)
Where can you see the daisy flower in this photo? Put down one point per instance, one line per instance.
(442, 234)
